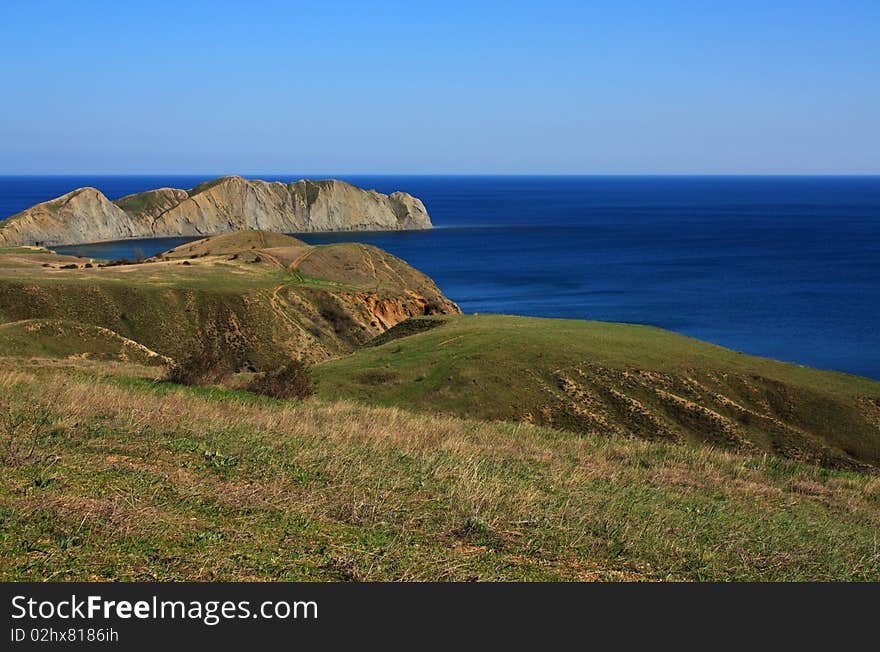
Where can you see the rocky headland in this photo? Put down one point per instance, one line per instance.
(220, 206)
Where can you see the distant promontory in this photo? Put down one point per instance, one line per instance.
(225, 204)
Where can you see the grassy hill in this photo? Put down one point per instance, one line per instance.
(614, 380)
(438, 447)
(132, 479)
(262, 296)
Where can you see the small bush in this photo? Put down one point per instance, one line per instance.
(22, 432)
(433, 308)
(337, 317)
(206, 367)
(117, 263)
(292, 381)
(375, 377)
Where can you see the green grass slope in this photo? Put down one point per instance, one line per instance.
(616, 380)
(152, 203)
(110, 477)
(47, 338)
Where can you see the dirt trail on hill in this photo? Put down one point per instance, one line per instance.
(275, 302)
(300, 259)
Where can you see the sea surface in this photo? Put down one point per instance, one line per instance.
(783, 267)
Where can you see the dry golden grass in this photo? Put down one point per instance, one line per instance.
(155, 481)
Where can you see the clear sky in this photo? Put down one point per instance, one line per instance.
(611, 87)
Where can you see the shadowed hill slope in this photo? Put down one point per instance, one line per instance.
(615, 379)
(149, 205)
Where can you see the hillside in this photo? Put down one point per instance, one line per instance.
(56, 338)
(438, 447)
(260, 296)
(226, 204)
(132, 479)
(614, 380)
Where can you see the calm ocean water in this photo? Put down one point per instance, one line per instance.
(784, 267)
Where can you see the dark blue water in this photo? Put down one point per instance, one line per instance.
(785, 267)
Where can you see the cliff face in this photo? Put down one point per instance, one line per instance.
(233, 204)
(83, 215)
(219, 206)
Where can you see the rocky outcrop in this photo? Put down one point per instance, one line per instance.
(219, 206)
(83, 215)
(234, 204)
(385, 313)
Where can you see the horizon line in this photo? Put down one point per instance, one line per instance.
(446, 174)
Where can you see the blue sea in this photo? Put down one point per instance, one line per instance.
(783, 267)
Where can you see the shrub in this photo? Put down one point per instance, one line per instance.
(206, 367)
(375, 377)
(292, 381)
(433, 308)
(22, 432)
(335, 315)
(117, 263)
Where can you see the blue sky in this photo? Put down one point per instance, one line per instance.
(421, 87)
